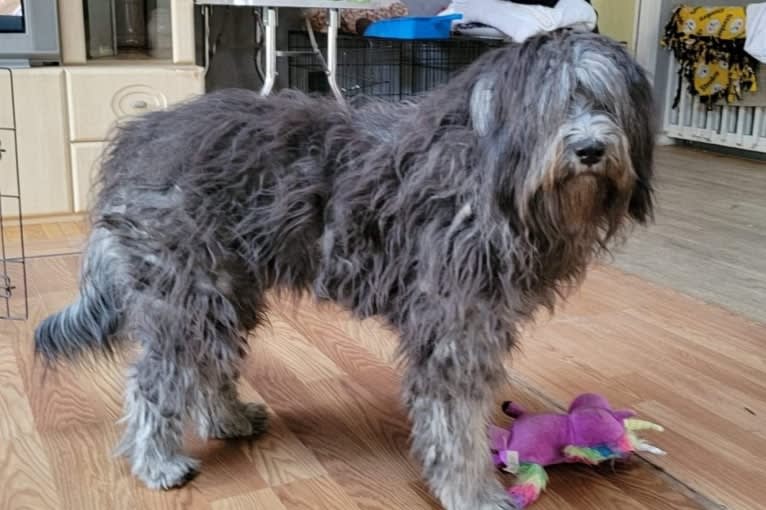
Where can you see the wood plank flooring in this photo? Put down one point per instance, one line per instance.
(709, 239)
(338, 438)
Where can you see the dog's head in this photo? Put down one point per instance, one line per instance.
(566, 120)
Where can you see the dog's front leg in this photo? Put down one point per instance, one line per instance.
(448, 388)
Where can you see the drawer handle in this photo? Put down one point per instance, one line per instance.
(140, 105)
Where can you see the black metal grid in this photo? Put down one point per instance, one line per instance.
(14, 298)
(387, 68)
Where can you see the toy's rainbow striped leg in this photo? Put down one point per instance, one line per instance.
(530, 483)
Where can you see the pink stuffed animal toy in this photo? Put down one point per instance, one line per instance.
(591, 432)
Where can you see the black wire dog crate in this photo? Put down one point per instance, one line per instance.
(14, 298)
(386, 68)
(14, 302)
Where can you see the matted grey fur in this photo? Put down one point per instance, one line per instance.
(454, 218)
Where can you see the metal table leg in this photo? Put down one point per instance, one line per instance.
(271, 53)
(206, 22)
(332, 53)
(270, 44)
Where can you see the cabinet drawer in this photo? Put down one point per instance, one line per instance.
(86, 158)
(6, 99)
(8, 180)
(100, 96)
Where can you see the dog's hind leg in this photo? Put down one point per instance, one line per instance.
(218, 411)
(188, 369)
(155, 407)
(448, 388)
(225, 416)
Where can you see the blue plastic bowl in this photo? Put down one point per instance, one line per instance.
(413, 27)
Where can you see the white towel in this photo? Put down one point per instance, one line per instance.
(755, 24)
(519, 21)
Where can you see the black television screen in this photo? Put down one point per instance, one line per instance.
(11, 16)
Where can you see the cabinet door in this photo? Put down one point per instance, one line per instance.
(41, 135)
(99, 96)
(86, 158)
(8, 181)
(6, 100)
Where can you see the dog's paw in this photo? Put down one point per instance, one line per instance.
(503, 503)
(491, 496)
(258, 417)
(170, 473)
(495, 497)
(251, 420)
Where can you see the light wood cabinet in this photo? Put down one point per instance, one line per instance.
(55, 107)
(182, 18)
(8, 179)
(8, 185)
(43, 142)
(6, 100)
(75, 47)
(64, 115)
(86, 158)
(99, 96)
(72, 30)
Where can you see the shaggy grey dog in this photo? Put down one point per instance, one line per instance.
(454, 218)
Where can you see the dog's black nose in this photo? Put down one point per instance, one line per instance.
(591, 153)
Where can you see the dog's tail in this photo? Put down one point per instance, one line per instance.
(90, 323)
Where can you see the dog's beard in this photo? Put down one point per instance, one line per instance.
(575, 215)
(591, 205)
(591, 197)
(582, 201)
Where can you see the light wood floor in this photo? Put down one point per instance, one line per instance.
(339, 435)
(709, 239)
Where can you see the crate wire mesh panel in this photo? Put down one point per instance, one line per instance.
(14, 302)
(13, 275)
(386, 68)
(740, 126)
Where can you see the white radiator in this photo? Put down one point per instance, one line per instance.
(741, 126)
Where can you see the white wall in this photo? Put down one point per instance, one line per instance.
(616, 18)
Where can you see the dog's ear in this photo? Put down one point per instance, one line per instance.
(641, 202)
(481, 105)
